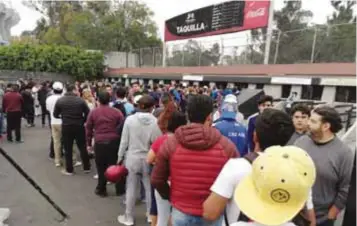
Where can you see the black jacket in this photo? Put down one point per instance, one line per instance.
(42, 95)
(72, 109)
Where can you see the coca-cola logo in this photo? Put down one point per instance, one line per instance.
(256, 13)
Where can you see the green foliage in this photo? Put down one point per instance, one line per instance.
(52, 58)
(96, 25)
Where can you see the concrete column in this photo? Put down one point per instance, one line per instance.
(252, 86)
(273, 90)
(328, 94)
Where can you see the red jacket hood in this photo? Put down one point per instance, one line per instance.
(197, 136)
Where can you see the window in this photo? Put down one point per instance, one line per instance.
(286, 89)
(345, 94)
(313, 92)
(259, 86)
(241, 86)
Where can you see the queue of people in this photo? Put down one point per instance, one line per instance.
(195, 166)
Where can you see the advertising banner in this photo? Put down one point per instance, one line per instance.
(226, 17)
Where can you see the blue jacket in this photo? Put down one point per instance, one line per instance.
(251, 129)
(233, 130)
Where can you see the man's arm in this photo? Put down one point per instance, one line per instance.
(57, 110)
(89, 129)
(345, 172)
(124, 141)
(161, 171)
(222, 191)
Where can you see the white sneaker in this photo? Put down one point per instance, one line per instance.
(4, 214)
(95, 176)
(76, 164)
(58, 164)
(148, 218)
(126, 220)
(64, 172)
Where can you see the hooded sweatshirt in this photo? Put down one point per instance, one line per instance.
(192, 158)
(139, 132)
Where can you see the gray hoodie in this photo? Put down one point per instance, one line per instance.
(139, 132)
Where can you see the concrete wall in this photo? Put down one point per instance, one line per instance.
(328, 94)
(121, 59)
(273, 90)
(12, 76)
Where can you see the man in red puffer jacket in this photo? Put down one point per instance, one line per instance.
(192, 159)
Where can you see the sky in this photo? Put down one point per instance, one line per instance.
(166, 9)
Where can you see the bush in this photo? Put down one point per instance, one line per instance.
(76, 62)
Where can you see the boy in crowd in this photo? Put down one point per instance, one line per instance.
(300, 114)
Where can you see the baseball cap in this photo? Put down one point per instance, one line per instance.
(230, 98)
(57, 86)
(278, 186)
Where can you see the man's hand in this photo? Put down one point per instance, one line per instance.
(90, 149)
(333, 212)
(120, 162)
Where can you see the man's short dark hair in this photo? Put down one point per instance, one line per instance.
(303, 108)
(199, 107)
(121, 92)
(104, 98)
(330, 115)
(58, 91)
(273, 127)
(71, 88)
(146, 102)
(265, 98)
(177, 119)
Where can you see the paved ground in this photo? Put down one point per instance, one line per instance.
(73, 194)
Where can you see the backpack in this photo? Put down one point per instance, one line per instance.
(120, 106)
(299, 219)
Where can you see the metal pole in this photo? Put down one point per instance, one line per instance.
(313, 46)
(269, 32)
(164, 55)
(277, 47)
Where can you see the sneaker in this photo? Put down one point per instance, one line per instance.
(4, 214)
(86, 171)
(57, 164)
(76, 164)
(95, 176)
(102, 194)
(126, 220)
(64, 172)
(19, 141)
(148, 218)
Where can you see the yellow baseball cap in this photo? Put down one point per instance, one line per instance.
(278, 186)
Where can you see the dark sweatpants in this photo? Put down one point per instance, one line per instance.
(13, 121)
(106, 154)
(71, 133)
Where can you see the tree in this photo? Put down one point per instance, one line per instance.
(79, 63)
(338, 40)
(290, 33)
(193, 54)
(101, 25)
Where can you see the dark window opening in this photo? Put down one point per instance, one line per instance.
(241, 86)
(312, 92)
(345, 94)
(259, 86)
(286, 89)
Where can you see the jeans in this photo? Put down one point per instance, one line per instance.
(182, 219)
(1, 122)
(44, 113)
(163, 210)
(71, 133)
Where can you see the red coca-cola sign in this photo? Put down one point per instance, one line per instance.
(226, 17)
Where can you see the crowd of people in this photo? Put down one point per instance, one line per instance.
(190, 154)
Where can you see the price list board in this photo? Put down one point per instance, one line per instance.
(227, 15)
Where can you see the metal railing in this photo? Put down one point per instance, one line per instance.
(317, 44)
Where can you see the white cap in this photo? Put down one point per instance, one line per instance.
(57, 86)
(137, 98)
(230, 98)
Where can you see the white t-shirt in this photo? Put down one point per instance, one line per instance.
(50, 106)
(229, 177)
(240, 223)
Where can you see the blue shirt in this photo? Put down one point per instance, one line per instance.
(233, 130)
(251, 129)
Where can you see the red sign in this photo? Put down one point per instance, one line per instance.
(227, 17)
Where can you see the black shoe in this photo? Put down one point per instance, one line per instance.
(101, 193)
(10, 141)
(19, 141)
